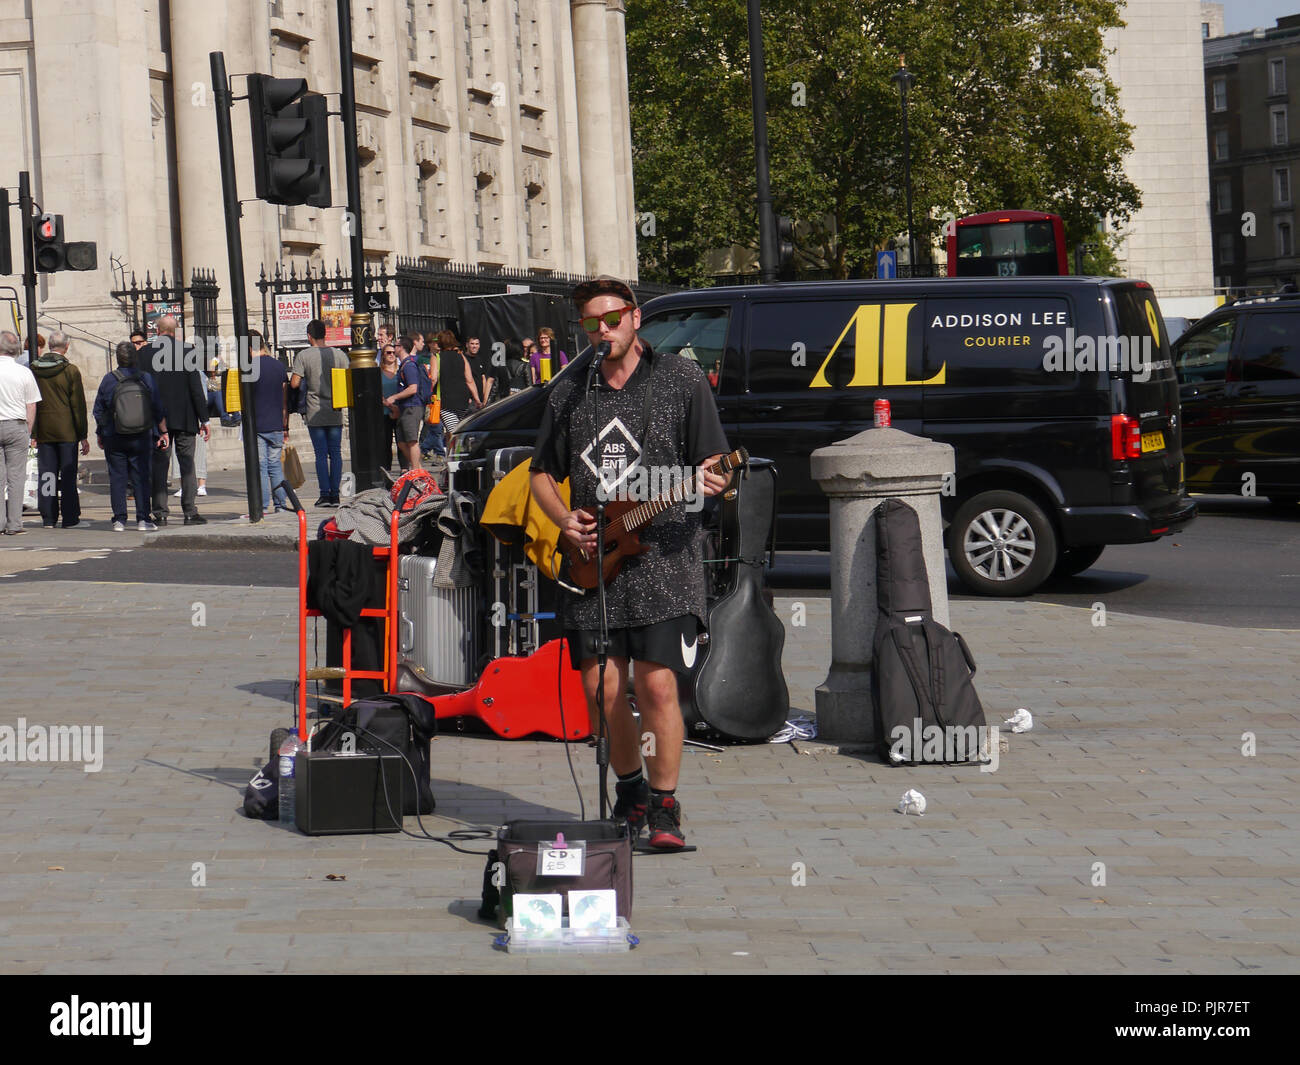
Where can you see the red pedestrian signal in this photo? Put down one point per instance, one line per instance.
(51, 255)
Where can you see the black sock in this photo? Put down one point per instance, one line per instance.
(630, 782)
(663, 792)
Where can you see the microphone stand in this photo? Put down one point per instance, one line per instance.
(602, 657)
(602, 639)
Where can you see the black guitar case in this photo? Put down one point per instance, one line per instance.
(738, 691)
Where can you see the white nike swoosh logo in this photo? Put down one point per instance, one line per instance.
(688, 653)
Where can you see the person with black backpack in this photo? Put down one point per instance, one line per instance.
(130, 422)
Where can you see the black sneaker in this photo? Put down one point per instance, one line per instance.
(323, 501)
(631, 804)
(195, 519)
(665, 820)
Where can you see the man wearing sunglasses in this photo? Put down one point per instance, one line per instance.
(645, 414)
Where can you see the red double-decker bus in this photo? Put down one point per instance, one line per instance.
(1007, 244)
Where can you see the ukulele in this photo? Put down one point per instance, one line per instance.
(624, 517)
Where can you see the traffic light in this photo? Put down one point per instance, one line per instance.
(6, 256)
(785, 247)
(54, 253)
(51, 252)
(291, 147)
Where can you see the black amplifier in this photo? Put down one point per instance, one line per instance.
(338, 794)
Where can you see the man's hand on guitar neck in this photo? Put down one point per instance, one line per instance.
(712, 483)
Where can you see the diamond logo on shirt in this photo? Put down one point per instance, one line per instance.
(619, 454)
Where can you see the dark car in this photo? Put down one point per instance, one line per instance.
(1239, 376)
(1053, 463)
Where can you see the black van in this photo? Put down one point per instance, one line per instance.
(1239, 372)
(1055, 458)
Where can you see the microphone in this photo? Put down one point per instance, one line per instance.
(602, 353)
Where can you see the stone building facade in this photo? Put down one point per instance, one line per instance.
(1156, 66)
(1254, 148)
(490, 132)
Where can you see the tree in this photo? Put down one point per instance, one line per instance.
(1010, 108)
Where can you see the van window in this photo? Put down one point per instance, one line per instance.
(695, 333)
(1203, 353)
(790, 344)
(1270, 349)
(991, 342)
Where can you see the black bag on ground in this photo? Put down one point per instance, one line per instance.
(512, 867)
(403, 723)
(926, 708)
(262, 795)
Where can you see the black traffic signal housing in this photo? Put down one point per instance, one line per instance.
(53, 253)
(291, 147)
(50, 249)
(6, 255)
(785, 247)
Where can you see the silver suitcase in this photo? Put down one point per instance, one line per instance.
(437, 647)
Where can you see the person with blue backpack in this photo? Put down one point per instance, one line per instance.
(130, 422)
(410, 402)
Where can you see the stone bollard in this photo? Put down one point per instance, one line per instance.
(858, 474)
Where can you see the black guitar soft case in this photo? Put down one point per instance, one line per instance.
(738, 690)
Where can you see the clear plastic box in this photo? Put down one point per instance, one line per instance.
(570, 941)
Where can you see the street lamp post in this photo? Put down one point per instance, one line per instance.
(905, 79)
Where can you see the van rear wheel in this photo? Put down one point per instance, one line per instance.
(1001, 543)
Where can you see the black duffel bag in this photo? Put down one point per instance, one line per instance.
(402, 723)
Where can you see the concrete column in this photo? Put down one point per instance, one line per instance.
(197, 28)
(621, 140)
(858, 474)
(595, 132)
(566, 201)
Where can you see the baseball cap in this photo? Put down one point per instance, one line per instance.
(600, 286)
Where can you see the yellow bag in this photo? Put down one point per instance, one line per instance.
(433, 412)
(292, 467)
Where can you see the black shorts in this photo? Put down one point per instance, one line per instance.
(674, 643)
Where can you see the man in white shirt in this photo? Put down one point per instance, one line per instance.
(19, 395)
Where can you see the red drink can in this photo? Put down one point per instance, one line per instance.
(882, 413)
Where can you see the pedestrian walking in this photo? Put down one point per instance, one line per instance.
(270, 421)
(130, 425)
(175, 368)
(19, 397)
(61, 429)
(408, 406)
(314, 374)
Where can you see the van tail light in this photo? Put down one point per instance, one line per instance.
(1125, 437)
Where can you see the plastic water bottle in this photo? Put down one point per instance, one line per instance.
(288, 756)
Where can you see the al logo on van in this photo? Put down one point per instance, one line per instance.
(879, 348)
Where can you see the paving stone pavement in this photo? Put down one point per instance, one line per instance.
(1127, 832)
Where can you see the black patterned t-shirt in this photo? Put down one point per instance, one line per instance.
(594, 437)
